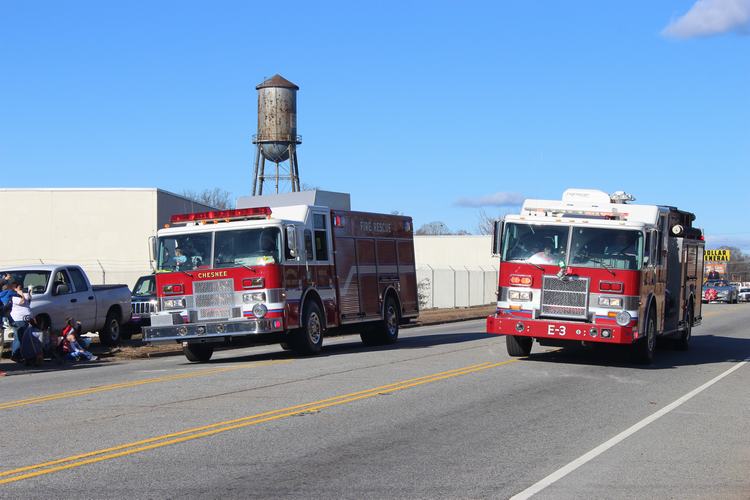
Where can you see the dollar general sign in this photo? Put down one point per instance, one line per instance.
(717, 255)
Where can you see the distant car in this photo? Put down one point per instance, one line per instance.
(144, 303)
(744, 295)
(719, 291)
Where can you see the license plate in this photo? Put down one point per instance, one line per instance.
(553, 329)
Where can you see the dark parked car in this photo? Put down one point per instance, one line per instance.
(144, 303)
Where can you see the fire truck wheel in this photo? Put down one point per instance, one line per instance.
(198, 352)
(518, 346)
(385, 331)
(683, 343)
(110, 334)
(643, 350)
(309, 338)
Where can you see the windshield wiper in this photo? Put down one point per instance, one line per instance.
(605, 266)
(533, 264)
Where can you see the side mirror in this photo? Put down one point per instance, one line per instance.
(61, 289)
(152, 249)
(497, 238)
(291, 241)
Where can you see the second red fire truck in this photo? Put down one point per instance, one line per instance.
(594, 268)
(284, 268)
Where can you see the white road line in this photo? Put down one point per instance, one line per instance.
(564, 471)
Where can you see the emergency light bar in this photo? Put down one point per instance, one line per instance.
(224, 215)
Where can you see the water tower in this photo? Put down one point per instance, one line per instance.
(277, 137)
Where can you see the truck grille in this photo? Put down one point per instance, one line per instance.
(567, 299)
(214, 299)
(143, 308)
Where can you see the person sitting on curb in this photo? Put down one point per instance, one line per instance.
(70, 342)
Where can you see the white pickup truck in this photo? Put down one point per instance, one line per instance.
(61, 291)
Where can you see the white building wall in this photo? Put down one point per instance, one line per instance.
(105, 231)
(455, 271)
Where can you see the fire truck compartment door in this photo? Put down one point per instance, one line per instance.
(348, 278)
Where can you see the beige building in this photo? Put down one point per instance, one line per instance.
(105, 231)
(454, 251)
(455, 271)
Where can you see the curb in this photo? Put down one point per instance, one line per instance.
(416, 324)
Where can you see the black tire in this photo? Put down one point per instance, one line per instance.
(642, 352)
(683, 343)
(518, 345)
(127, 331)
(309, 338)
(198, 353)
(385, 331)
(110, 333)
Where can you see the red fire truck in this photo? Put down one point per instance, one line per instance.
(282, 268)
(594, 268)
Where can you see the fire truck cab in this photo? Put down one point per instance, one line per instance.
(282, 268)
(595, 268)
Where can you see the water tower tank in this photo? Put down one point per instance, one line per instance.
(277, 117)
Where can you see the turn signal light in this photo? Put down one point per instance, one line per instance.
(253, 283)
(519, 279)
(173, 289)
(611, 286)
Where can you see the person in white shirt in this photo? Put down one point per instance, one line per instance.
(21, 309)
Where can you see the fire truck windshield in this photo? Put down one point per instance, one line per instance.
(538, 244)
(247, 247)
(184, 252)
(589, 246)
(607, 248)
(232, 248)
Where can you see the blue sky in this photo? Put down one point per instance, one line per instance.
(409, 106)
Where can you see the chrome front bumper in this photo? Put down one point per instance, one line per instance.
(214, 330)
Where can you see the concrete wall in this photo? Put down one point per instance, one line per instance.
(455, 271)
(105, 231)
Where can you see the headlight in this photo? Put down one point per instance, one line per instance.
(174, 303)
(259, 310)
(253, 297)
(519, 296)
(605, 301)
(623, 318)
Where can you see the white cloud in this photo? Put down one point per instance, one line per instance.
(711, 17)
(499, 199)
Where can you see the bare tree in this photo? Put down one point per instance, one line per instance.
(433, 228)
(487, 223)
(216, 197)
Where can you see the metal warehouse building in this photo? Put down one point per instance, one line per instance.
(105, 231)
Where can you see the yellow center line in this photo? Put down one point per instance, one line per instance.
(134, 383)
(228, 425)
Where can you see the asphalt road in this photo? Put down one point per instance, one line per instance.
(443, 414)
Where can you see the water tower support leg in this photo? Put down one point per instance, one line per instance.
(294, 168)
(255, 170)
(262, 174)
